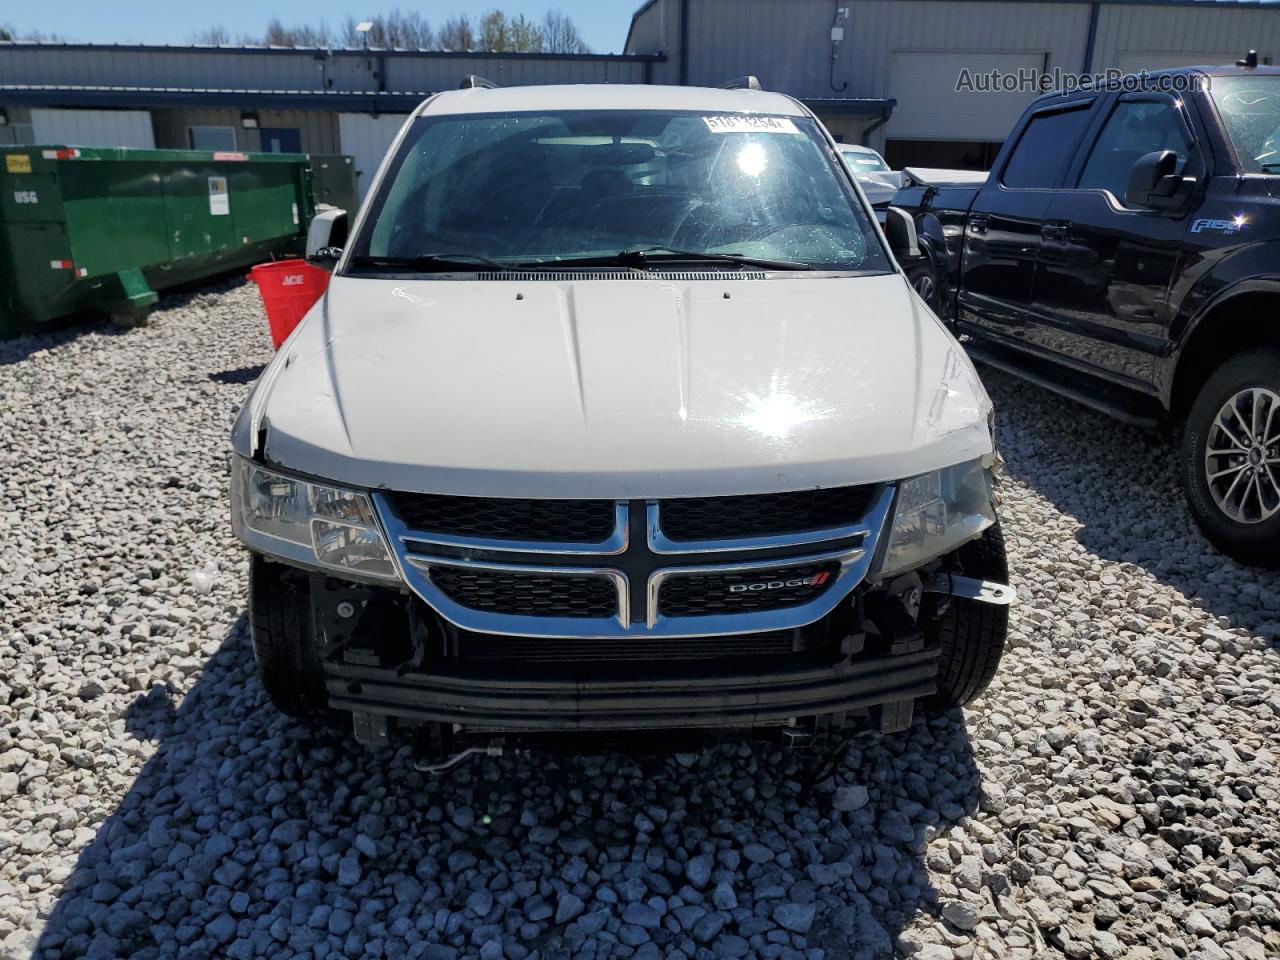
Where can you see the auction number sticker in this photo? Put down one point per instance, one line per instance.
(748, 123)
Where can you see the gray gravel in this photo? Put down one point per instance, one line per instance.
(1114, 795)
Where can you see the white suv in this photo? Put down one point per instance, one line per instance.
(618, 414)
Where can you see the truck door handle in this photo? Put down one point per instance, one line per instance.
(1056, 230)
(978, 222)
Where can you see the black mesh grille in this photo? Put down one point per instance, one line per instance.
(480, 646)
(528, 594)
(569, 521)
(710, 593)
(758, 515)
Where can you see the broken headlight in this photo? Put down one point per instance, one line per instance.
(937, 512)
(310, 523)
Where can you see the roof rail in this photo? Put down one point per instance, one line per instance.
(472, 82)
(1250, 60)
(742, 83)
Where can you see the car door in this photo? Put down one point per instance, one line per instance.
(1002, 231)
(1101, 293)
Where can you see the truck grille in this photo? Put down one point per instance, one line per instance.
(482, 646)
(702, 594)
(768, 514)
(567, 521)
(528, 594)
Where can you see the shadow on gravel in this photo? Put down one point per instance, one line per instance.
(238, 375)
(1122, 485)
(249, 835)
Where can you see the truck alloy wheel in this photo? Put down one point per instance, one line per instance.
(1242, 457)
(1231, 457)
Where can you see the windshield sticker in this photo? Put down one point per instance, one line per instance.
(744, 123)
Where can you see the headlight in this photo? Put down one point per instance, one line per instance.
(311, 523)
(936, 513)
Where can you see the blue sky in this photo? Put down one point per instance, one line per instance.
(603, 23)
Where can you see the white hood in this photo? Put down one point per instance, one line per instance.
(618, 388)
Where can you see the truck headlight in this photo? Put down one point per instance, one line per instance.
(937, 512)
(313, 524)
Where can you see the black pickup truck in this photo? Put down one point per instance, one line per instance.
(1125, 251)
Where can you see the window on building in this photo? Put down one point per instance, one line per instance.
(1134, 129)
(212, 138)
(1045, 148)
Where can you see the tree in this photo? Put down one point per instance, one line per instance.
(392, 31)
(213, 36)
(279, 35)
(457, 34)
(560, 35)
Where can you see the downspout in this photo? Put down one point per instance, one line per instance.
(684, 42)
(1093, 37)
(888, 112)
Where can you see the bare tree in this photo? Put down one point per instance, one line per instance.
(560, 35)
(214, 36)
(457, 34)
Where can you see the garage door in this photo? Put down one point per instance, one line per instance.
(93, 128)
(930, 108)
(367, 138)
(1131, 61)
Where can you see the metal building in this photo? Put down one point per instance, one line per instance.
(883, 72)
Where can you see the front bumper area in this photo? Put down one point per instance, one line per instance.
(489, 698)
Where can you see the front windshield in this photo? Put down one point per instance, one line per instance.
(547, 189)
(860, 162)
(1250, 110)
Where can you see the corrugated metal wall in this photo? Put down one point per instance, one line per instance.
(319, 128)
(366, 139)
(1133, 29)
(292, 70)
(657, 30)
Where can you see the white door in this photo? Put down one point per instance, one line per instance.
(93, 128)
(367, 138)
(1131, 61)
(931, 108)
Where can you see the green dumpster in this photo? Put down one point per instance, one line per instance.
(95, 228)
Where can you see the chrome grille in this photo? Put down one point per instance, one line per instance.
(556, 574)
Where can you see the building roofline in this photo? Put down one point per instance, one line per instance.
(236, 49)
(354, 101)
(640, 12)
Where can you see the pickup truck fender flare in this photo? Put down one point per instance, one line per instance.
(1244, 272)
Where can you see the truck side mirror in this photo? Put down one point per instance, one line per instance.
(326, 236)
(900, 230)
(1155, 184)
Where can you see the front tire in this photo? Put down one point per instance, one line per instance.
(971, 634)
(284, 638)
(924, 281)
(1230, 458)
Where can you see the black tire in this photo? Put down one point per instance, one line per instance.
(1257, 542)
(924, 281)
(284, 642)
(971, 634)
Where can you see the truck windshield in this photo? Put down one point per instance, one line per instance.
(1250, 109)
(542, 190)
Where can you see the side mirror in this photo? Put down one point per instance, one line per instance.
(1154, 183)
(900, 230)
(326, 236)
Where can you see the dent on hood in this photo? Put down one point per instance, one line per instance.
(960, 400)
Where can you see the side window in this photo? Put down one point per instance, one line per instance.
(1045, 148)
(1135, 128)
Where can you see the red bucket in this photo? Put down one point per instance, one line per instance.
(289, 288)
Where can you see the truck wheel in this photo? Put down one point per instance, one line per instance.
(1231, 458)
(924, 281)
(284, 643)
(971, 633)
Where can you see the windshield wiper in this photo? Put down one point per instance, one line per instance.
(439, 262)
(659, 254)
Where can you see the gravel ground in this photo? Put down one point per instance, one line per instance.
(1114, 794)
